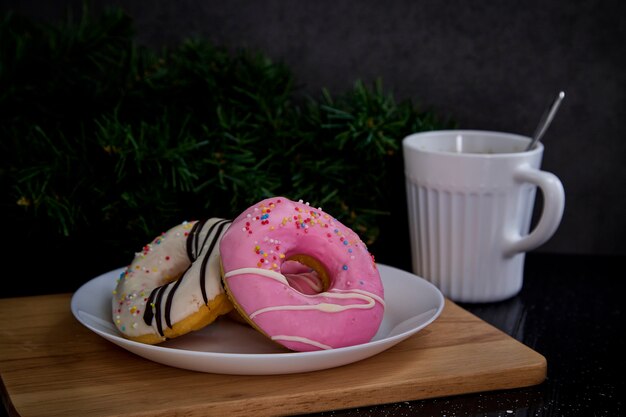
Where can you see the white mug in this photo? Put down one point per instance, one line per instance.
(470, 197)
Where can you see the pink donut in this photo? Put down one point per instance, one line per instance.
(333, 299)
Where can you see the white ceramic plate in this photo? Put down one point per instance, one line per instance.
(227, 347)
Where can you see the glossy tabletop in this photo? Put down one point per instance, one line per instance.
(571, 310)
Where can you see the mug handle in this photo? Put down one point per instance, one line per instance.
(553, 206)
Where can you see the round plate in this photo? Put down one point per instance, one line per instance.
(228, 347)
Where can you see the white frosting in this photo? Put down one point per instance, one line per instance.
(162, 262)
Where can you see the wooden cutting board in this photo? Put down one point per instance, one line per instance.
(53, 366)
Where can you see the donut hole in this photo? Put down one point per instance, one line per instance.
(305, 274)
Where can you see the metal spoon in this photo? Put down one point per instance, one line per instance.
(546, 120)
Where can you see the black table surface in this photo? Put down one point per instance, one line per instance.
(570, 310)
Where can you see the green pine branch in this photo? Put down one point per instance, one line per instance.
(102, 135)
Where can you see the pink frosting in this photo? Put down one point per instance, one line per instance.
(283, 303)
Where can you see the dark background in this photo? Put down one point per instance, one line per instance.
(488, 65)
(491, 65)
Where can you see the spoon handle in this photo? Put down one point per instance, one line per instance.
(546, 120)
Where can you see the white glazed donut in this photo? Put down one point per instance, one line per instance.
(173, 285)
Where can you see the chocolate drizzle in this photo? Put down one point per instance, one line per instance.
(155, 308)
(148, 313)
(194, 239)
(168, 301)
(205, 260)
(157, 313)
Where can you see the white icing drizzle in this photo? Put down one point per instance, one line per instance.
(265, 272)
(313, 283)
(325, 307)
(301, 340)
(369, 298)
(366, 293)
